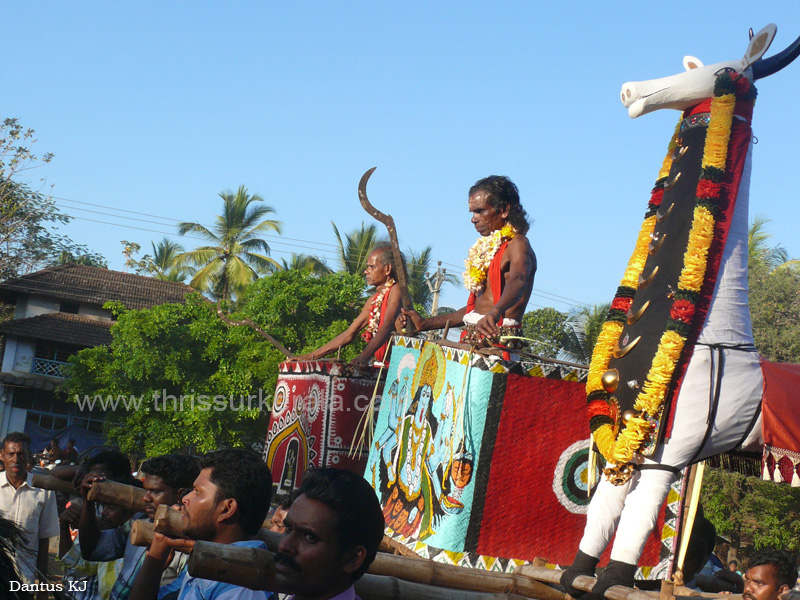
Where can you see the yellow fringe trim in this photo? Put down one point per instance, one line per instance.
(715, 152)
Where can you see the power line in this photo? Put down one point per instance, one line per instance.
(274, 239)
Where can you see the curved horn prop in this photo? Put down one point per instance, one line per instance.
(388, 221)
(767, 66)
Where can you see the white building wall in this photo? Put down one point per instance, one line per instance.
(9, 355)
(21, 307)
(94, 311)
(23, 360)
(39, 305)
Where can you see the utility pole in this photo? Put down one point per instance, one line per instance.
(435, 282)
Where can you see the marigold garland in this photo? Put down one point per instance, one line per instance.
(375, 312)
(619, 443)
(480, 257)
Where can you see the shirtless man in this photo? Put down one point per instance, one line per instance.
(494, 204)
(378, 316)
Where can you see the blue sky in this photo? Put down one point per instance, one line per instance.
(156, 107)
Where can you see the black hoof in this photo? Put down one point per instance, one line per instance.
(616, 573)
(582, 565)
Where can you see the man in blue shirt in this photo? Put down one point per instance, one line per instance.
(227, 505)
(166, 479)
(333, 530)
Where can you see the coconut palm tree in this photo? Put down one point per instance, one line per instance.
(760, 253)
(237, 252)
(581, 329)
(162, 264)
(356, 246)
(306, 262)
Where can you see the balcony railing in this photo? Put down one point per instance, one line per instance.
(51, 368)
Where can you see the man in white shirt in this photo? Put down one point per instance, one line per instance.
(33, 509)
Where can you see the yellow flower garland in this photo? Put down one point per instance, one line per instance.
(480, 257)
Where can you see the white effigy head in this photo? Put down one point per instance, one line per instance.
(696, 83)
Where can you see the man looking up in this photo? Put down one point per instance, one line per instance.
(333, 530)
(500, 266)
(771, 573)
(227, 505)
(32, 509)
(166, 479)
(378, 316)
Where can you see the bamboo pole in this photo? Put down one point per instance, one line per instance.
(381, 587)
(409, 569)
(394, 547)
(49, 482)
(254, 568)
(119, 494)
(168, 521)
(142, 532)
(696, 483)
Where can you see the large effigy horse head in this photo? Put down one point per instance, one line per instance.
(694, 85)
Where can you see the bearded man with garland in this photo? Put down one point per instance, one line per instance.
(500, 266)
(377, 318)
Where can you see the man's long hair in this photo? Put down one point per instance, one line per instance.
(502, 193)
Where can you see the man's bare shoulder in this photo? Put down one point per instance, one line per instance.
(520, 245)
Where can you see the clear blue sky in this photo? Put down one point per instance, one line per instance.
(156, 107)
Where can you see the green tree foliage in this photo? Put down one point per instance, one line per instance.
(545, 327)
(28, 219)
(751, 512)
(237, 252)
(185, 349)
(775, 312)
(303, 310)
(173, 351)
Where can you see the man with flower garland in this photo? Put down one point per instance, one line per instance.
(378, 316)
(500, 266)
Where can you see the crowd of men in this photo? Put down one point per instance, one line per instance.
(331, 528)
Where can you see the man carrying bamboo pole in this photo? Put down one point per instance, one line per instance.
(166, 480)
(333, 530)
(227, 505)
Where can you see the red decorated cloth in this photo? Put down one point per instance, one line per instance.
(495, 277)
(380, 353)
(781, 421)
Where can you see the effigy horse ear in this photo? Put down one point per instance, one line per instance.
(692, 62)
(759, 44)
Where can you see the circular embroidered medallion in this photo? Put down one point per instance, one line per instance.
(571, 478)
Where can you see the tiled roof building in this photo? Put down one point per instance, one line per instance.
(59, 311)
